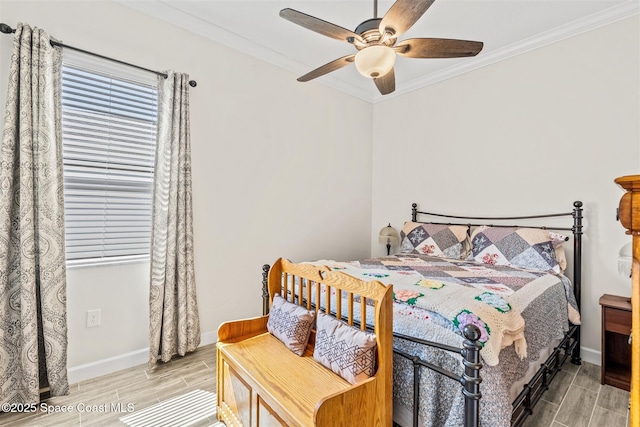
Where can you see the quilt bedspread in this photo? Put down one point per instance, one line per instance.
(491, 297)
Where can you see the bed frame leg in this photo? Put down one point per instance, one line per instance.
(416, 389)
(265, 289)
(577, 272)
(471, 378)
(575, 354)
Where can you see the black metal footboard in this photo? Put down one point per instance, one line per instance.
(470, 379)
(522, 406)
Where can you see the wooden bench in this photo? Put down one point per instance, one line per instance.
(260, 382)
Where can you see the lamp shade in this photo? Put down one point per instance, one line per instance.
(389, 236)
(375, 61)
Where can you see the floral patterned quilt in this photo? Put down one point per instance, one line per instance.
(488, 296)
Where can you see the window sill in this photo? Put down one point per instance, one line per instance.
(100, 262)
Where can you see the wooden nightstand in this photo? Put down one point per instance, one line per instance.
(616, 351)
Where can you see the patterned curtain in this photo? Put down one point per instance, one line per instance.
(33, 316)
(174, 321)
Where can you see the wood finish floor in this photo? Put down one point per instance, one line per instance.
(575, 399)
(135, 386)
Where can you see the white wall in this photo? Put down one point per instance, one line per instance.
(527, 135)
(279, 169)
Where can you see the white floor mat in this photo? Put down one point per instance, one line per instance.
(182, 411)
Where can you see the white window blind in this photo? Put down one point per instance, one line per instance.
(109, 139)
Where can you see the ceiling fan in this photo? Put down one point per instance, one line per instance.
(376, 42)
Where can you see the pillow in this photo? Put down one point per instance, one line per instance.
(290, 323)
(528, 248)
(433, 239)
(347, 351)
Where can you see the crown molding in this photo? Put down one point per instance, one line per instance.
(163, 11)
(606, 17)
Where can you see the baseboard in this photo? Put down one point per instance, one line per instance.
(123, 361)
(107, 366)
(590, 355)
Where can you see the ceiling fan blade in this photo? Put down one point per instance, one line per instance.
(402, 15)
(327, 68)
(438, 48)
(319, 26)
(387, 83)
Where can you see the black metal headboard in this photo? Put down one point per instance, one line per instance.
(576, 229)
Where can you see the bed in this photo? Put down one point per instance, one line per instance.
(511, 281)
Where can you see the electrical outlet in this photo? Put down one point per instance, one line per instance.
(93, 318)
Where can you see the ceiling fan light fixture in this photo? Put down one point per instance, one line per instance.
(375, 61)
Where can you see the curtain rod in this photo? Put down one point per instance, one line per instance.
(4, 28)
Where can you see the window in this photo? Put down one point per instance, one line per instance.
(109, 122)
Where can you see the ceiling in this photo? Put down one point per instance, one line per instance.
(507, 28)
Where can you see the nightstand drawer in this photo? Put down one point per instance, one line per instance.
(616, 351)
(618, 321)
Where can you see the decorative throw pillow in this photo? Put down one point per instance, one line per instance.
(529, 248)
(434, 239)
(347, 351)
(290, 323)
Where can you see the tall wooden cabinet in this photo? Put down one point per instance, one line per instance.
(629, 215)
